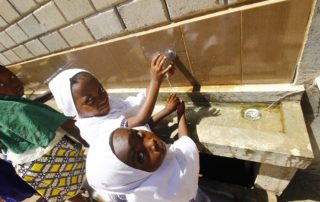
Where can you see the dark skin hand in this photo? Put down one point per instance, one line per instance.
(171, 106)
(156, 74)
(182, 122)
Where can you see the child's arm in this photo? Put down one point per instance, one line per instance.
(182, 123)
(44, 97)
(70, 127)
(171, 105)
(156, 74)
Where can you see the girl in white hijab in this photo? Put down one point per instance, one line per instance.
(137, 163)
(79, 94)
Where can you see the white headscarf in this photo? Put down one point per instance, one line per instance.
(176, 180)
(60, 87)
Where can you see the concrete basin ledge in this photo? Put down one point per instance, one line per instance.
(225, 93)
(287, 148)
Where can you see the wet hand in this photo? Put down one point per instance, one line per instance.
(172, 103)
(181, 108)
(157, 73)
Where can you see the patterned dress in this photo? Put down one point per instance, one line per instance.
(57, 175)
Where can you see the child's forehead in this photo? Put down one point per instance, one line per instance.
(120, 142)
(5, 72)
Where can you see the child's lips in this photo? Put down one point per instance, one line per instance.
(161, 147)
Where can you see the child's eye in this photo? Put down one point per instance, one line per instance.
(139, 135)
(89, 100)
(140, 157)
(102, 91)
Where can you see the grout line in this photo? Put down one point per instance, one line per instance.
(123, 25)
(87, 28)
(59, 10)
(166, 10)
(92, 5)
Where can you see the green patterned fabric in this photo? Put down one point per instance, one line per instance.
(26, 124)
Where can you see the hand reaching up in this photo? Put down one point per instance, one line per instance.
(182, 122)
(157, 73)
(181, 108)
(172, 103)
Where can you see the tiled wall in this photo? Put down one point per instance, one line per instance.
(33, 28)
(257, 44)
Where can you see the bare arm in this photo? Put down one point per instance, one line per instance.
(170, 107)
(156, 74)
(70, 127)
(182, 122)
(44, 97)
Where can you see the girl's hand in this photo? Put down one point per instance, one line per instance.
(156, 71)
(181, 108)
(172, 103)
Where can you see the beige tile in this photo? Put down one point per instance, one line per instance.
(6, 40)
(3, 23)
(272, 39)
(49, 16)
(73, 10)
(11, 56)
(135, 16)
(76, 34)
(2, 47)
(23, 52)
(186, 8)
(104, 25)
(102, 4)
(213, 47)
(54, 42)
(16, 33)
(8, 12)
(31, 26)
(24, 6)
(41, 1)
(4, 60)
(36, 47)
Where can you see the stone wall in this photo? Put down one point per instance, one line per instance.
(33, 28)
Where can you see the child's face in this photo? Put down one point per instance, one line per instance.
(138, 148)
(89, 97)
(10, 85)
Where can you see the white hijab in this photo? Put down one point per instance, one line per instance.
(60, 88)
(91, 127)
(176, 180)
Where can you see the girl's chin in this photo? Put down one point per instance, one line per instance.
(103, 112)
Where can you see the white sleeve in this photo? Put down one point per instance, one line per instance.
(186, 145)
(186, 151)
(134, 103)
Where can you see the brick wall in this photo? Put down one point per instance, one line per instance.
(35, 28)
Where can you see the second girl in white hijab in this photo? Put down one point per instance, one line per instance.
(137, 163)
